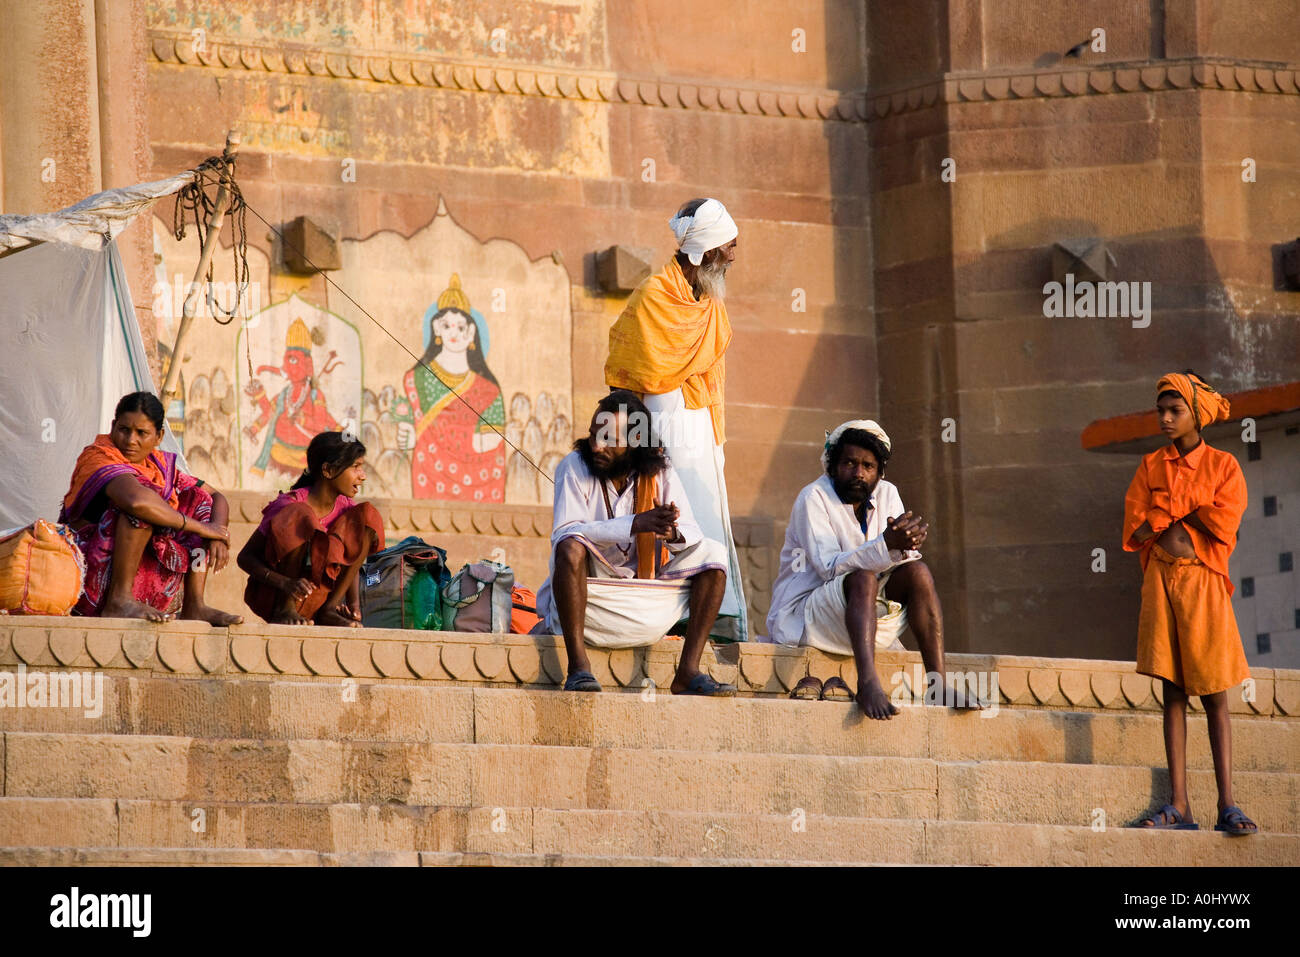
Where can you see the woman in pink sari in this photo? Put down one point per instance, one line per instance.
(144, 526)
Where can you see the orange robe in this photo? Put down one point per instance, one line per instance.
(667, 339)
(1187, 632)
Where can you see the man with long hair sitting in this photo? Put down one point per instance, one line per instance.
(628, 560)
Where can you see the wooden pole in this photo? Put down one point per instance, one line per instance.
(171, 385)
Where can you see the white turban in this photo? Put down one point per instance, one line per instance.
(866, 425)
(708, 228)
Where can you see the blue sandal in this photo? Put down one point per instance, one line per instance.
(581, 681)
(702, 684)
(1167, 819)
(1233, 820)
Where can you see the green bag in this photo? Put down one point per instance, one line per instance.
(400, 586)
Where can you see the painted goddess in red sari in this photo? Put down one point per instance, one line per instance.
(457, 414)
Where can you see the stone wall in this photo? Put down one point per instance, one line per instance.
(1140, 146)
(867, 282)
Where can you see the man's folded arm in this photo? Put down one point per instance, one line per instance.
(610, 531)
(831, 561)
(572, 515)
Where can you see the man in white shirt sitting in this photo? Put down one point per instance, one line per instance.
(628, 560)
(851, 578)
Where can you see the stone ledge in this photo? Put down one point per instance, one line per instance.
(406, 515)
(1137, 76)
(194, 649)
(515, 79)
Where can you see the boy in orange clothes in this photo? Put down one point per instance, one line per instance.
(1181, 512)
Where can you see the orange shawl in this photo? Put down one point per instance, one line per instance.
(101, 462)
(667, 339)
(651, 552)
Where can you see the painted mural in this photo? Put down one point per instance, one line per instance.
(306, 362)
(453, 416)
(463, 396)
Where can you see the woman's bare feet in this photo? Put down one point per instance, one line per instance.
(287, 614)
(873, 701)
(130, 608)
(213, 616)
(337, 617)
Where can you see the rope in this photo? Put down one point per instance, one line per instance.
(194, 199)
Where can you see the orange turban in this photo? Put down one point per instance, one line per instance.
(1207, 405)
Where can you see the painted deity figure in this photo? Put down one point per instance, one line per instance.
(297, 413)
(456, 418)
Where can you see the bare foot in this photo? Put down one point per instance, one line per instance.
(972, 702)
(961, 699)
(873, 701)
(336, 618)
(213, 616)
(130, 608)
(287, 614)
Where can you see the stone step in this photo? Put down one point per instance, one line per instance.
(160, 857)
(605, 834)
(201, 771)
(291, 709)
(455, 859)
(238, 857)
(124, 647)
(684, 834)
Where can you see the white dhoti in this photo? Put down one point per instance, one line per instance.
(687, 434)
(626, 612)
(824, 625)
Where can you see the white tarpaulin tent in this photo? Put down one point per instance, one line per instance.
(70, 346)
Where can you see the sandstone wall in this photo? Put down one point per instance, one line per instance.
(1141, 146)
(866, 284)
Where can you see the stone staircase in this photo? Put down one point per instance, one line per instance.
(263, 745)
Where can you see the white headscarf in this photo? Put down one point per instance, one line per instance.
(708, 228)
(866, 425)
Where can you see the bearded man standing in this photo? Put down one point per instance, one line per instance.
(668, 347)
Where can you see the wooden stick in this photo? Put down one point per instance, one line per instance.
(171, 385)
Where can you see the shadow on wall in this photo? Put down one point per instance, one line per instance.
(1015, 506)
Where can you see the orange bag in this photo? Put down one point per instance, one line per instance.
(41, 570)
(523, 610)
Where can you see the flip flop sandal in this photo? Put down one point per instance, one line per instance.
(1167, 819)
(836, 690)
(705, 686)
(1233, 820)
(808, 689)
(581, 681)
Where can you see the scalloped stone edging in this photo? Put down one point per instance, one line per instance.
(193, 649)
(824, 105)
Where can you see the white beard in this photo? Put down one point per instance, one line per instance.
(713, 281)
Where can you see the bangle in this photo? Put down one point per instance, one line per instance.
(183, 522)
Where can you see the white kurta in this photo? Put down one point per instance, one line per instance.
(823, 543)
(622, 610)
(687, 434)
